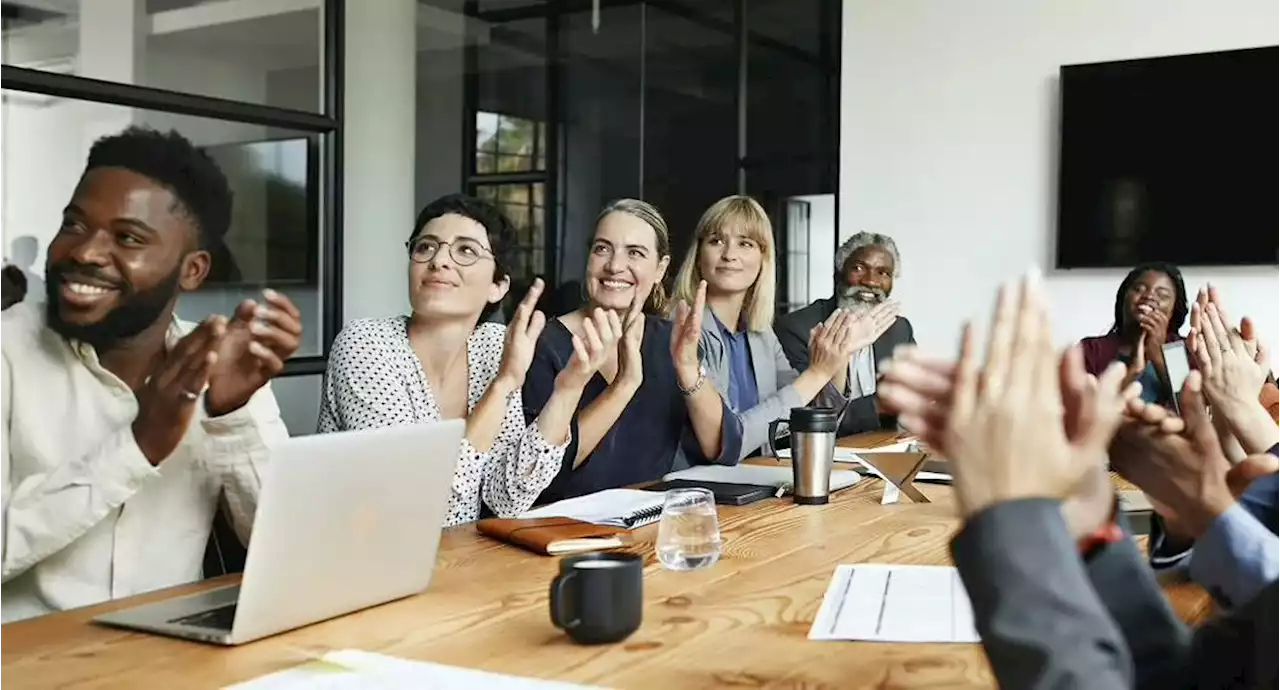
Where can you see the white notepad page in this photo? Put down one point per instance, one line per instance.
(895, 603)
(607, 507)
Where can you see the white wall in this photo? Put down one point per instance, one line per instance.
(948, 143)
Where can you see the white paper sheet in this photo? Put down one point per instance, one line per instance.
(900, 447)
(758, 475)
(895, 603)
(351, 669)
(841, 454)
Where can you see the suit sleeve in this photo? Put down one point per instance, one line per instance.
(1042, 624)
(755, 421)
(1156, 638)
(1237, 650)
(861, 414)
(795, 345)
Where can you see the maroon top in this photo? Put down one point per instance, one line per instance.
(1100, 351)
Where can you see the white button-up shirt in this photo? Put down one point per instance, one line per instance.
(86, 517)
(862, 374)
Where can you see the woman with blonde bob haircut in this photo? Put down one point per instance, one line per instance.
(733, 252)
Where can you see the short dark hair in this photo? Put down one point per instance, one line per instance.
(503, 240)
(172, 161)
(500, 231)
(1180, 307)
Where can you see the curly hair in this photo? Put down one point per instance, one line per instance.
(1180, 308)
(172, 161)
(503, 240)
(867, 239)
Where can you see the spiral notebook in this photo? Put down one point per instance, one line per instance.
(627, 508)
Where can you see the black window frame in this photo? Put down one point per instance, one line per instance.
(327, 124)
(826, 62)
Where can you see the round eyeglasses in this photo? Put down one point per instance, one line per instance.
(464, 251)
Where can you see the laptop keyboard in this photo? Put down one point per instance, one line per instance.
(220, 618)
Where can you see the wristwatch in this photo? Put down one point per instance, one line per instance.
(702, 377)
(1109, 533)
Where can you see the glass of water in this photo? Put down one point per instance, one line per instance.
(689, 533)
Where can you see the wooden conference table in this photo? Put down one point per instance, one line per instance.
(742, 623)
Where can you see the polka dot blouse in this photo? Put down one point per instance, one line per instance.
(374, 379)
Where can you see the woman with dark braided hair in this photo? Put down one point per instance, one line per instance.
(1151, 307)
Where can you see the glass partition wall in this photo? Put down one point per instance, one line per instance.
(678, 102)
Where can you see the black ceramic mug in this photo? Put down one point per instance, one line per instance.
(597, 598)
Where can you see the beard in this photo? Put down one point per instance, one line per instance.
(137, 310)
(859, 298)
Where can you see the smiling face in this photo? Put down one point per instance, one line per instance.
(729, 261)
(866, 277)
(1151, 291)
(442, 286)
(623, 261)
(126, 248)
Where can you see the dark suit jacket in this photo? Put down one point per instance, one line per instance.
(793, 333)
(1048, 620)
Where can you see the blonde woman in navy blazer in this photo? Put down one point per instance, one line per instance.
(734, 252)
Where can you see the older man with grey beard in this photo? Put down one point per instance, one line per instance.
(866, 265)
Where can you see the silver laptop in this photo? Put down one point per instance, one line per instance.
(344, 521)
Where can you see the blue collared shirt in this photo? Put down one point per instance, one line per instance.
(1236, 557)
(744, 394)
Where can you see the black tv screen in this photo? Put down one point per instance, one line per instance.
(1169, 159)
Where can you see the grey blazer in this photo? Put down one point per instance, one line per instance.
(774, 376)
(793, 333)
(1049, 620)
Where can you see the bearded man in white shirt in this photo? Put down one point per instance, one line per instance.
(866, 265)
(123, 425)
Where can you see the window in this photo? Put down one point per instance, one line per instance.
(253, 109)
(509, 144)
(510, 147)
(523, 204)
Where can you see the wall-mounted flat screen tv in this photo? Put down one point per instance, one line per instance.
(1169, 159)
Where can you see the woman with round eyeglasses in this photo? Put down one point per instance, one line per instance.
(652, 397)
(442, 362)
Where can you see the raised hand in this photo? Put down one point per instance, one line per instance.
(1179, 465)
(866, 327)
(522, 338)
(167, 402)
(630, 363)
(1004, 434)
(1155, 329)
(919, 389)
(686, 333)
(1253, 345)
(830, 344)
(601, 332)
(1093, 409)
(259, 338)
(1231, 374)
(1139, 360)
